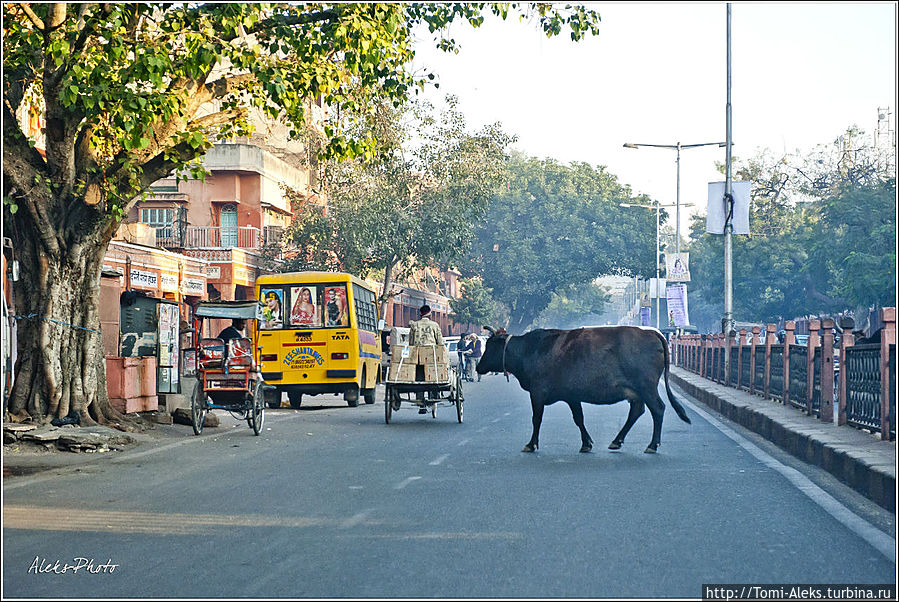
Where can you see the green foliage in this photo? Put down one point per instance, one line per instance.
(477, 305)
(412, 207)
(823, 236)
(554, 227)
(132, 78)
(578, 305)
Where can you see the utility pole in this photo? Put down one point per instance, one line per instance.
(727, 324)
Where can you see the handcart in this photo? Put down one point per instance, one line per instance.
(429, 394)
(227, 376)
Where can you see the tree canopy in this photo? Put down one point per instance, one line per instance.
(557, 226)
(415, 206)
(132, 92)
(823, 236)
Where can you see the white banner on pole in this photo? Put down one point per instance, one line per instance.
(677, 267)
(677, 305)
(716, 214)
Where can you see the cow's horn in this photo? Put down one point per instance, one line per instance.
(490, 330)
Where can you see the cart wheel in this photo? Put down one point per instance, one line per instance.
(198, 408)
(459, 387)
(257, 409)
(388, 404)
(459, 407)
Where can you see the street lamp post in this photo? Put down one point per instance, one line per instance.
(678, 148)
(657, 208)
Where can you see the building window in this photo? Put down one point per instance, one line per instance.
(158, 217)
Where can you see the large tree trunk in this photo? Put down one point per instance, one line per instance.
(60, 368)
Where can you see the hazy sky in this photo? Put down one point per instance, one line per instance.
(657, 74)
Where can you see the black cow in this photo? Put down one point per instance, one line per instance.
(594, 365)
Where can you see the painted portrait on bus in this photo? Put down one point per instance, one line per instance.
(335, 306)
(304, 311)
(272, 300)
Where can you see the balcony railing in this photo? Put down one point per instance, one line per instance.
(199, 237)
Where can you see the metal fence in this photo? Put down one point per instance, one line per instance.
(860, 397)
(799, 376)
(776, 373)
(861, 369)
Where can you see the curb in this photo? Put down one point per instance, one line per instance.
(857, 459)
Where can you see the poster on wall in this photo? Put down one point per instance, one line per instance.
(677, 305)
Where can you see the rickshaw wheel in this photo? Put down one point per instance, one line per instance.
(388, 404)
(257, 409)
(198, 407)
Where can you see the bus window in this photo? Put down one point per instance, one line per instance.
(273, 313)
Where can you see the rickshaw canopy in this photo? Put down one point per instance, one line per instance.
(247, 310)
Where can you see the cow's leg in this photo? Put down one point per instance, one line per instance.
(657, 409)
(537, 406)
(637, 409)
(577, 412)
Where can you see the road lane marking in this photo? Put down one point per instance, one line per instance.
(882, 542)
(463, 441)
(111, 521)
(357, 519)
(437, 461)
(406, 481)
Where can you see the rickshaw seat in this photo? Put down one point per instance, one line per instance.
(212, 353)
(240, 353)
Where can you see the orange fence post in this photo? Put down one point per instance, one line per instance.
(813, 327)
(769, 339)
(847, 340)
(755, 341)
(789, 339)
(827, 370)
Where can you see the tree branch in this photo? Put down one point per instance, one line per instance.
(35, 20)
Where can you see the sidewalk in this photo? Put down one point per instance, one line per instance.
(855, 457)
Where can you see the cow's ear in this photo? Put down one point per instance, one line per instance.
(490, 330)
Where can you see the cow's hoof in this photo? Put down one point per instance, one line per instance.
(649, 450)
(615, 445)
(529, 448)
(586, 449)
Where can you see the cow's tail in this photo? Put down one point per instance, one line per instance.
(678, 408)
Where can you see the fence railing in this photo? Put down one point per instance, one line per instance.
(859, 388)
(197, 237)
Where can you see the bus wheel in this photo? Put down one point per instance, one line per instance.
(296, 399)
(273, 398)
(368, 394)
(352, 397)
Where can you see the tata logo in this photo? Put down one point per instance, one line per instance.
(340, 336)
(303, 336)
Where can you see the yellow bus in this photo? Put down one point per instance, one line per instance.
(319, 334)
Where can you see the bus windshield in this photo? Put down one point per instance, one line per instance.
(319, 305)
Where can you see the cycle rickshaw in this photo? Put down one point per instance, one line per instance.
(428, 392)
(227, 376)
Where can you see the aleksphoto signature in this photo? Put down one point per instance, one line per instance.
(80, 564)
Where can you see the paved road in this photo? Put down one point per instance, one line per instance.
(332, 502)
